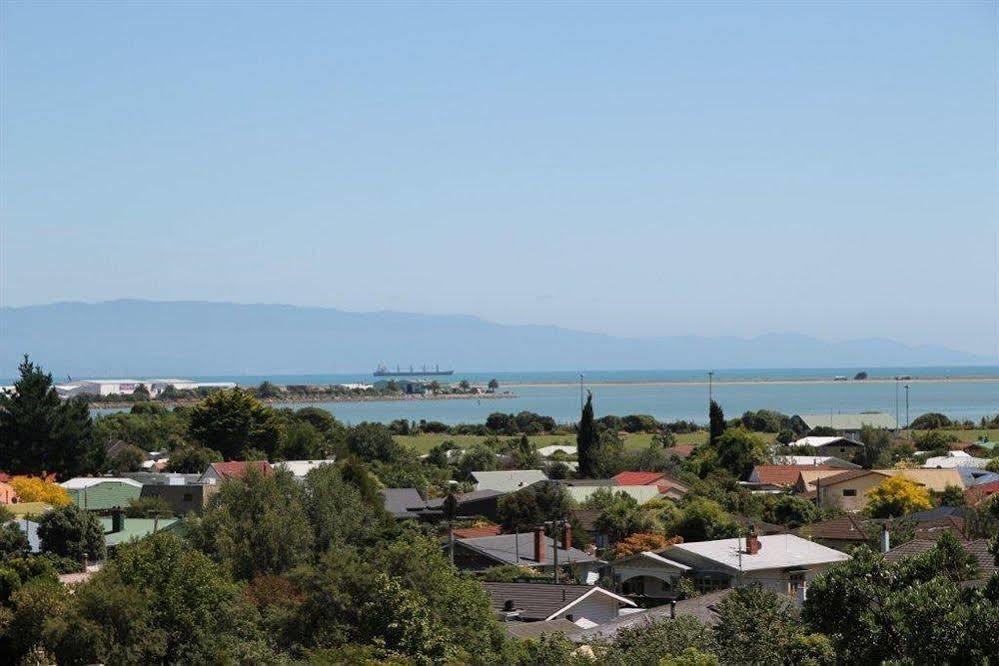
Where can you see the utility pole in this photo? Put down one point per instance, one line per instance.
(898, 416)
(906, 405)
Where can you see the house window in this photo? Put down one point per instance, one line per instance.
(849, 492)
(188, 497)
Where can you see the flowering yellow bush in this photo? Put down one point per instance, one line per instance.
(897, 496)
(35, 489)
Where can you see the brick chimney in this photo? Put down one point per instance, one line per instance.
(539, 544)
(753, 544)
(567, 537)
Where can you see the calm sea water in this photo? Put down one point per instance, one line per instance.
(967, 393)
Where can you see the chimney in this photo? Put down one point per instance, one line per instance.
(117, 520)
(539, 544)
(885, 538)
(567, 537)
(753, 544)
(672, 609)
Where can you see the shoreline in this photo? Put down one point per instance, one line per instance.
(312, 399)
(754, 382)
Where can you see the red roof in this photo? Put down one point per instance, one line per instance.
(638, 478)
(473, 532)
(783, 475)
(976, 494)
(236, 469)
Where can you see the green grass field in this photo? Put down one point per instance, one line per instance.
(424, 442)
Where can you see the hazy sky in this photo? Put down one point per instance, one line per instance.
(643, 169)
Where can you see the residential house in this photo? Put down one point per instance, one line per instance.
(784, 476)
(955, 459)
(843, 448)
(587, 521)
(299, 468)
(781, 562)
(977, 493)
(848, 491)
(118, 529)
(527, 549)
(543, 602)
(478, 503)
(814, 461)
(849, 425)
(102, 493)
(403, 503)
(182, 499)
(841, 533)
(809, 480)
(703, 607)
(478, 531)
(668, 486)
(979, 449)
(235, 469)
(7, 493)
(507, 481)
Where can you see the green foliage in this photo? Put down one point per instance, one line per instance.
(147, 425)
(739, 451)
(935, 441)
(233, 422)
(897, 496)
(373, 441)
(161, 602)
(790, 510)
(765, 420)
(524, 455)
(337, 510)
(24, 618)
(716, 425)
(41, 433)
(930, 421)
(13, 542)
(69, 531)
(951, 496)
(192, 459)
(756, 626)
(702, 519)
(623, 516)
(587, 441)
(301, 441)
(648, 643)
(128, 459)
(552, 649)
(477, 458)
(256, 526)
(690, 657)
(876, 452)
(534, 505)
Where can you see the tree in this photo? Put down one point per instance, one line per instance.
(493, 384)
(532, 506)
(897, 496)
(70, 531)
(128, 459)
(301, 442)
(192, 459)
(373, 441)
(587, 440)
(36, 489)
(41, 433)
(232, 422)
(641, 542)
(703, 519)
(791, 510)
(930, 421)
(952, 496)
(739, 451)
(267, 390)
(525, 456)
(716, 418)
(477, 458)
(876, 452)
(648, 642)
(157, 601)
(756, 626)
(256, 526)
(337, 510)
(13, 542)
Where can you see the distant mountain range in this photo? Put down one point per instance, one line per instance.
(145, 338)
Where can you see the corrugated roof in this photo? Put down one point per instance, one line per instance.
(402, 502)
(81, 482)
(844, 528)
(508, 480)
(134, 528)
(504, 548)
(979, 548)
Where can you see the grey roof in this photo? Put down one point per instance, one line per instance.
(535, 629)
(937, 514)
(979, 548)
(508, 480)
(403, 502)
(438, 502)
(777, 551)
(701, 607)
(850, 421)
(539, 601)
(503, 548)
(162, 478)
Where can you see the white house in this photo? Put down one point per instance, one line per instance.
(299, 468)
(507, 481)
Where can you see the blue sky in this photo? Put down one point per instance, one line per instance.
(637, 169)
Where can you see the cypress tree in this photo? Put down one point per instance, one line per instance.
(587, 440)
(717, 422)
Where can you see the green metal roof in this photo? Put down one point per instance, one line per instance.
(135, 528)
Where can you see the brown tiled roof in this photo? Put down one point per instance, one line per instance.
(237, 469)
(472, 532)
(783, 475)
(844, 528)
(976, 494)
(849, 476)
(979, 548)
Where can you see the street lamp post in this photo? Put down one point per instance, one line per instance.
(906, 405)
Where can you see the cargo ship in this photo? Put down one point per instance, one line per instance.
(424, 371)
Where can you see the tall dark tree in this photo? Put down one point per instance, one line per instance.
(717, 422)
(587, 440)
(41, 433)
(233, 422)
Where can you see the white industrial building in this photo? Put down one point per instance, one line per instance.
(105, 387)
